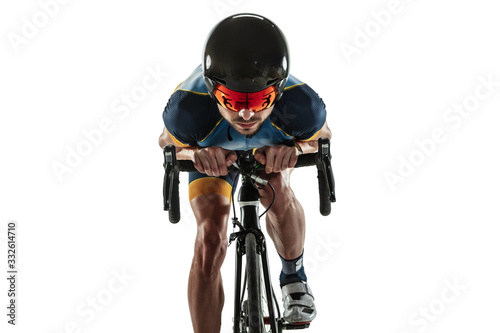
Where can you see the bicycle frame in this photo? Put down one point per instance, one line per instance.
(249, 201)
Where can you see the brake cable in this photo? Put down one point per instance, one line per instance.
(274, 197)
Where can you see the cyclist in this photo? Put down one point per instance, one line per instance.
(242, 97)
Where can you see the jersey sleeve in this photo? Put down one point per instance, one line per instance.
(189, 117)
(300, 112)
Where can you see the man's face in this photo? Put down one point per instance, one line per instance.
(246, 122)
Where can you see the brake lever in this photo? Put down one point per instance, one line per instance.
(324, 156)
(168, 180)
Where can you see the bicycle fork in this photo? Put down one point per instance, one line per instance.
(248, 199)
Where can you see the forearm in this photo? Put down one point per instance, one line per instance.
(308, 147)
(311, 146)
(182, 153)
(185, 153)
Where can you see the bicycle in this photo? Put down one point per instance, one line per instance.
(251, 315)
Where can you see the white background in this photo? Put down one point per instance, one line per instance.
(390, 251)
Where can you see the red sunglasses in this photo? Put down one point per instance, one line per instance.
(236, 101)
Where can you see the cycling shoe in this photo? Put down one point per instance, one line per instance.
(298, 302)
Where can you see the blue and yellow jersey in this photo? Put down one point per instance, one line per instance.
(193, 119)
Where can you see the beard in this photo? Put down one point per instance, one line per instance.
(247, 131)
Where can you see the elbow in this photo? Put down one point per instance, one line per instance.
(328, 135)
(325, 132)
(162, 140)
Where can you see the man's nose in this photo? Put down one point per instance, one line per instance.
(246, 114)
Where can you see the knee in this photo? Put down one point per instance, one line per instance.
(210, 241)
(210, 250)
(280, 181)
(285, 199)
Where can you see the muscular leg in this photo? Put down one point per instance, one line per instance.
(286, 226)
(285, 221)
(205, 292)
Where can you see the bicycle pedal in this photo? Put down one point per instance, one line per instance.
(298, 326)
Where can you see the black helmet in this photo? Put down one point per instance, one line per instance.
(246, 53)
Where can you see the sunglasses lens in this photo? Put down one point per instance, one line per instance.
(235, 101)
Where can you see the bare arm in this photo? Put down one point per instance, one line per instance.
(311, 146)
(164, 139)
(280, 157)
(182, 153)
(212, 161)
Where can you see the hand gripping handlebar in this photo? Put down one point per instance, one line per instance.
(321, 159)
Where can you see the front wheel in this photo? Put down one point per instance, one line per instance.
(254, 290)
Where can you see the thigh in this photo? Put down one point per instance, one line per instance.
(280, 181)
(200, 184)
(210, 197)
